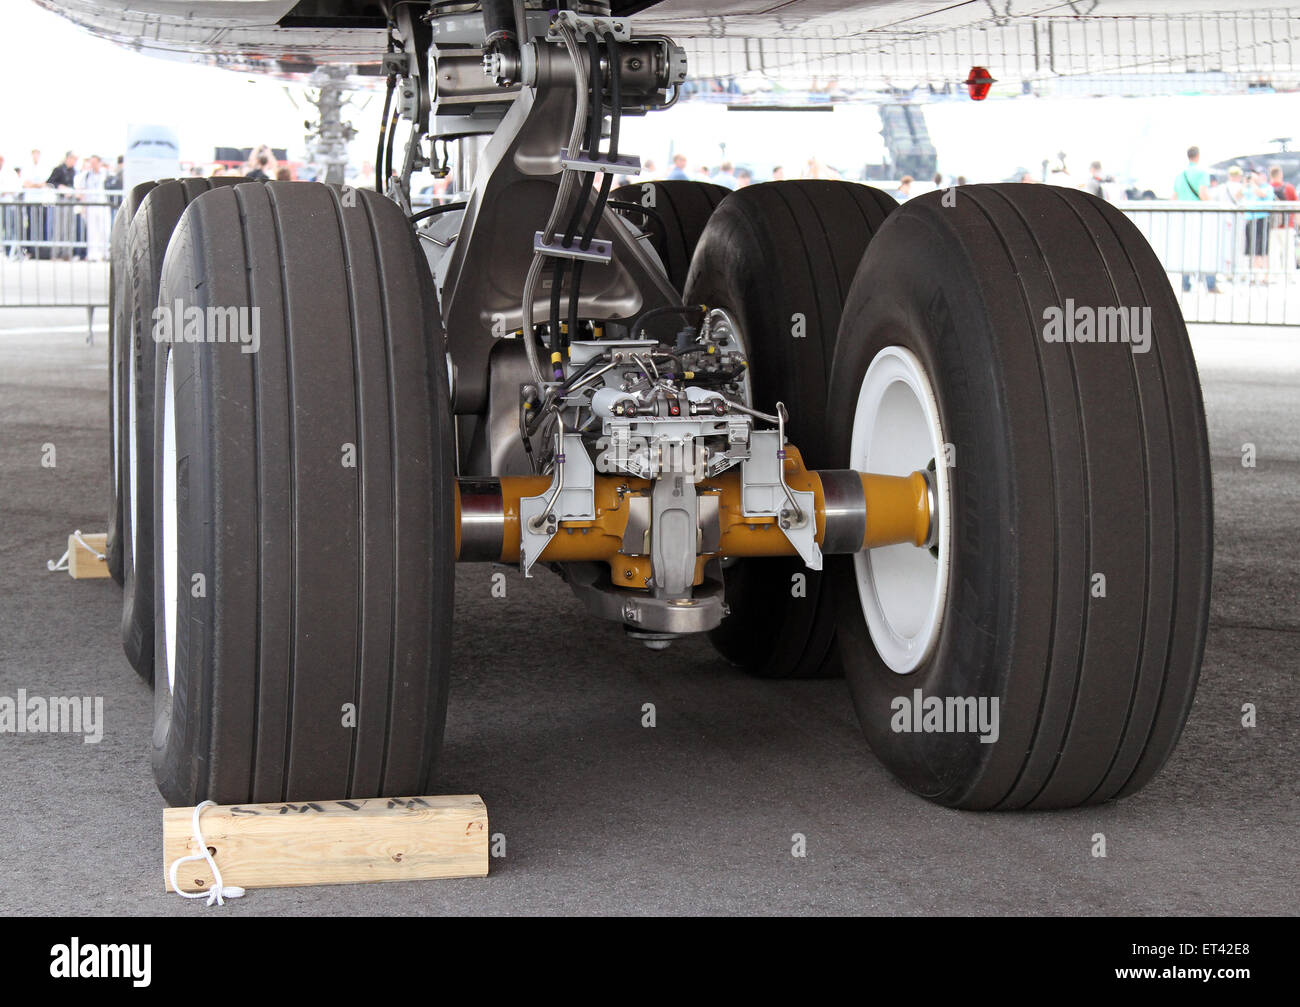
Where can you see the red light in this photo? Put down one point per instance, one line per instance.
(979, 82)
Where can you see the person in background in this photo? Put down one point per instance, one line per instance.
(819, 169)
(678, 171)
(35, 172)
(64, 176)
(113, 189)
(1257, 192)
(1060, 174)
(283, 174)
(938, 180)
(1193, 185)
(648, 172)
(117, 176)
(37, 219)
(10, 219)
(63, 179)
(961, 179)
(99, 218)
(261, 158)
(1096, 184)
(703, 172)
(724, 176)
(904, 191)
(261, 167)
(1230, 191)
(366, 176)
(778, 174)
(1283, 223)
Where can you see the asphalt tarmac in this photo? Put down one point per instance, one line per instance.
(696, 815)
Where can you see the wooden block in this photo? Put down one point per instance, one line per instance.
(331, 842)
(84, 563)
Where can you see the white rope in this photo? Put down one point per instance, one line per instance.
(219, 892)
(62, 562)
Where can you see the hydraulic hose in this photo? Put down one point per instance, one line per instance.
(561, 200)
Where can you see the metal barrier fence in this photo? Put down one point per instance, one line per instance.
(1233, 265)
(54, 250)
(1228, 264)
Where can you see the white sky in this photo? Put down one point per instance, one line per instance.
(64, 88)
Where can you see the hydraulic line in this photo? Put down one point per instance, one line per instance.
(433, 211)
(615, 115)
(561, 200)
(626, 206)
(556, 342)
(383, 128)
(560, 340)
(388, 151)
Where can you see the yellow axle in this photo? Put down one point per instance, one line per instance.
(853, 511)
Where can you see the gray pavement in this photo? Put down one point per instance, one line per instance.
(695, 815)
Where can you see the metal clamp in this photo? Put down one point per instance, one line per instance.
(598, 251)
(619, 27)
(623, 164)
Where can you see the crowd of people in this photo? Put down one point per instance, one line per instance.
(65, 210)
(1251, 189)
(61, 211)
(1257, 240)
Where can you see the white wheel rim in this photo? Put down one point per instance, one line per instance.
(896, 431)
(133, 482)
(169, 520)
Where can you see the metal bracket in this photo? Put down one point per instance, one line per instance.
(623, 164)
(571, 497)
(696, 614)
(619, 27)
(598, 251)
(764, 493)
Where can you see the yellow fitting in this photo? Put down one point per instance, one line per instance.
(898, 509)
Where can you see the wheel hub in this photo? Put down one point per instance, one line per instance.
(896, 430)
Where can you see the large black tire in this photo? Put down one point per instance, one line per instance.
(1071, 460)
(327, 589)
(159, 207)
(119, 321)
(676, 213)
(770, 253)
